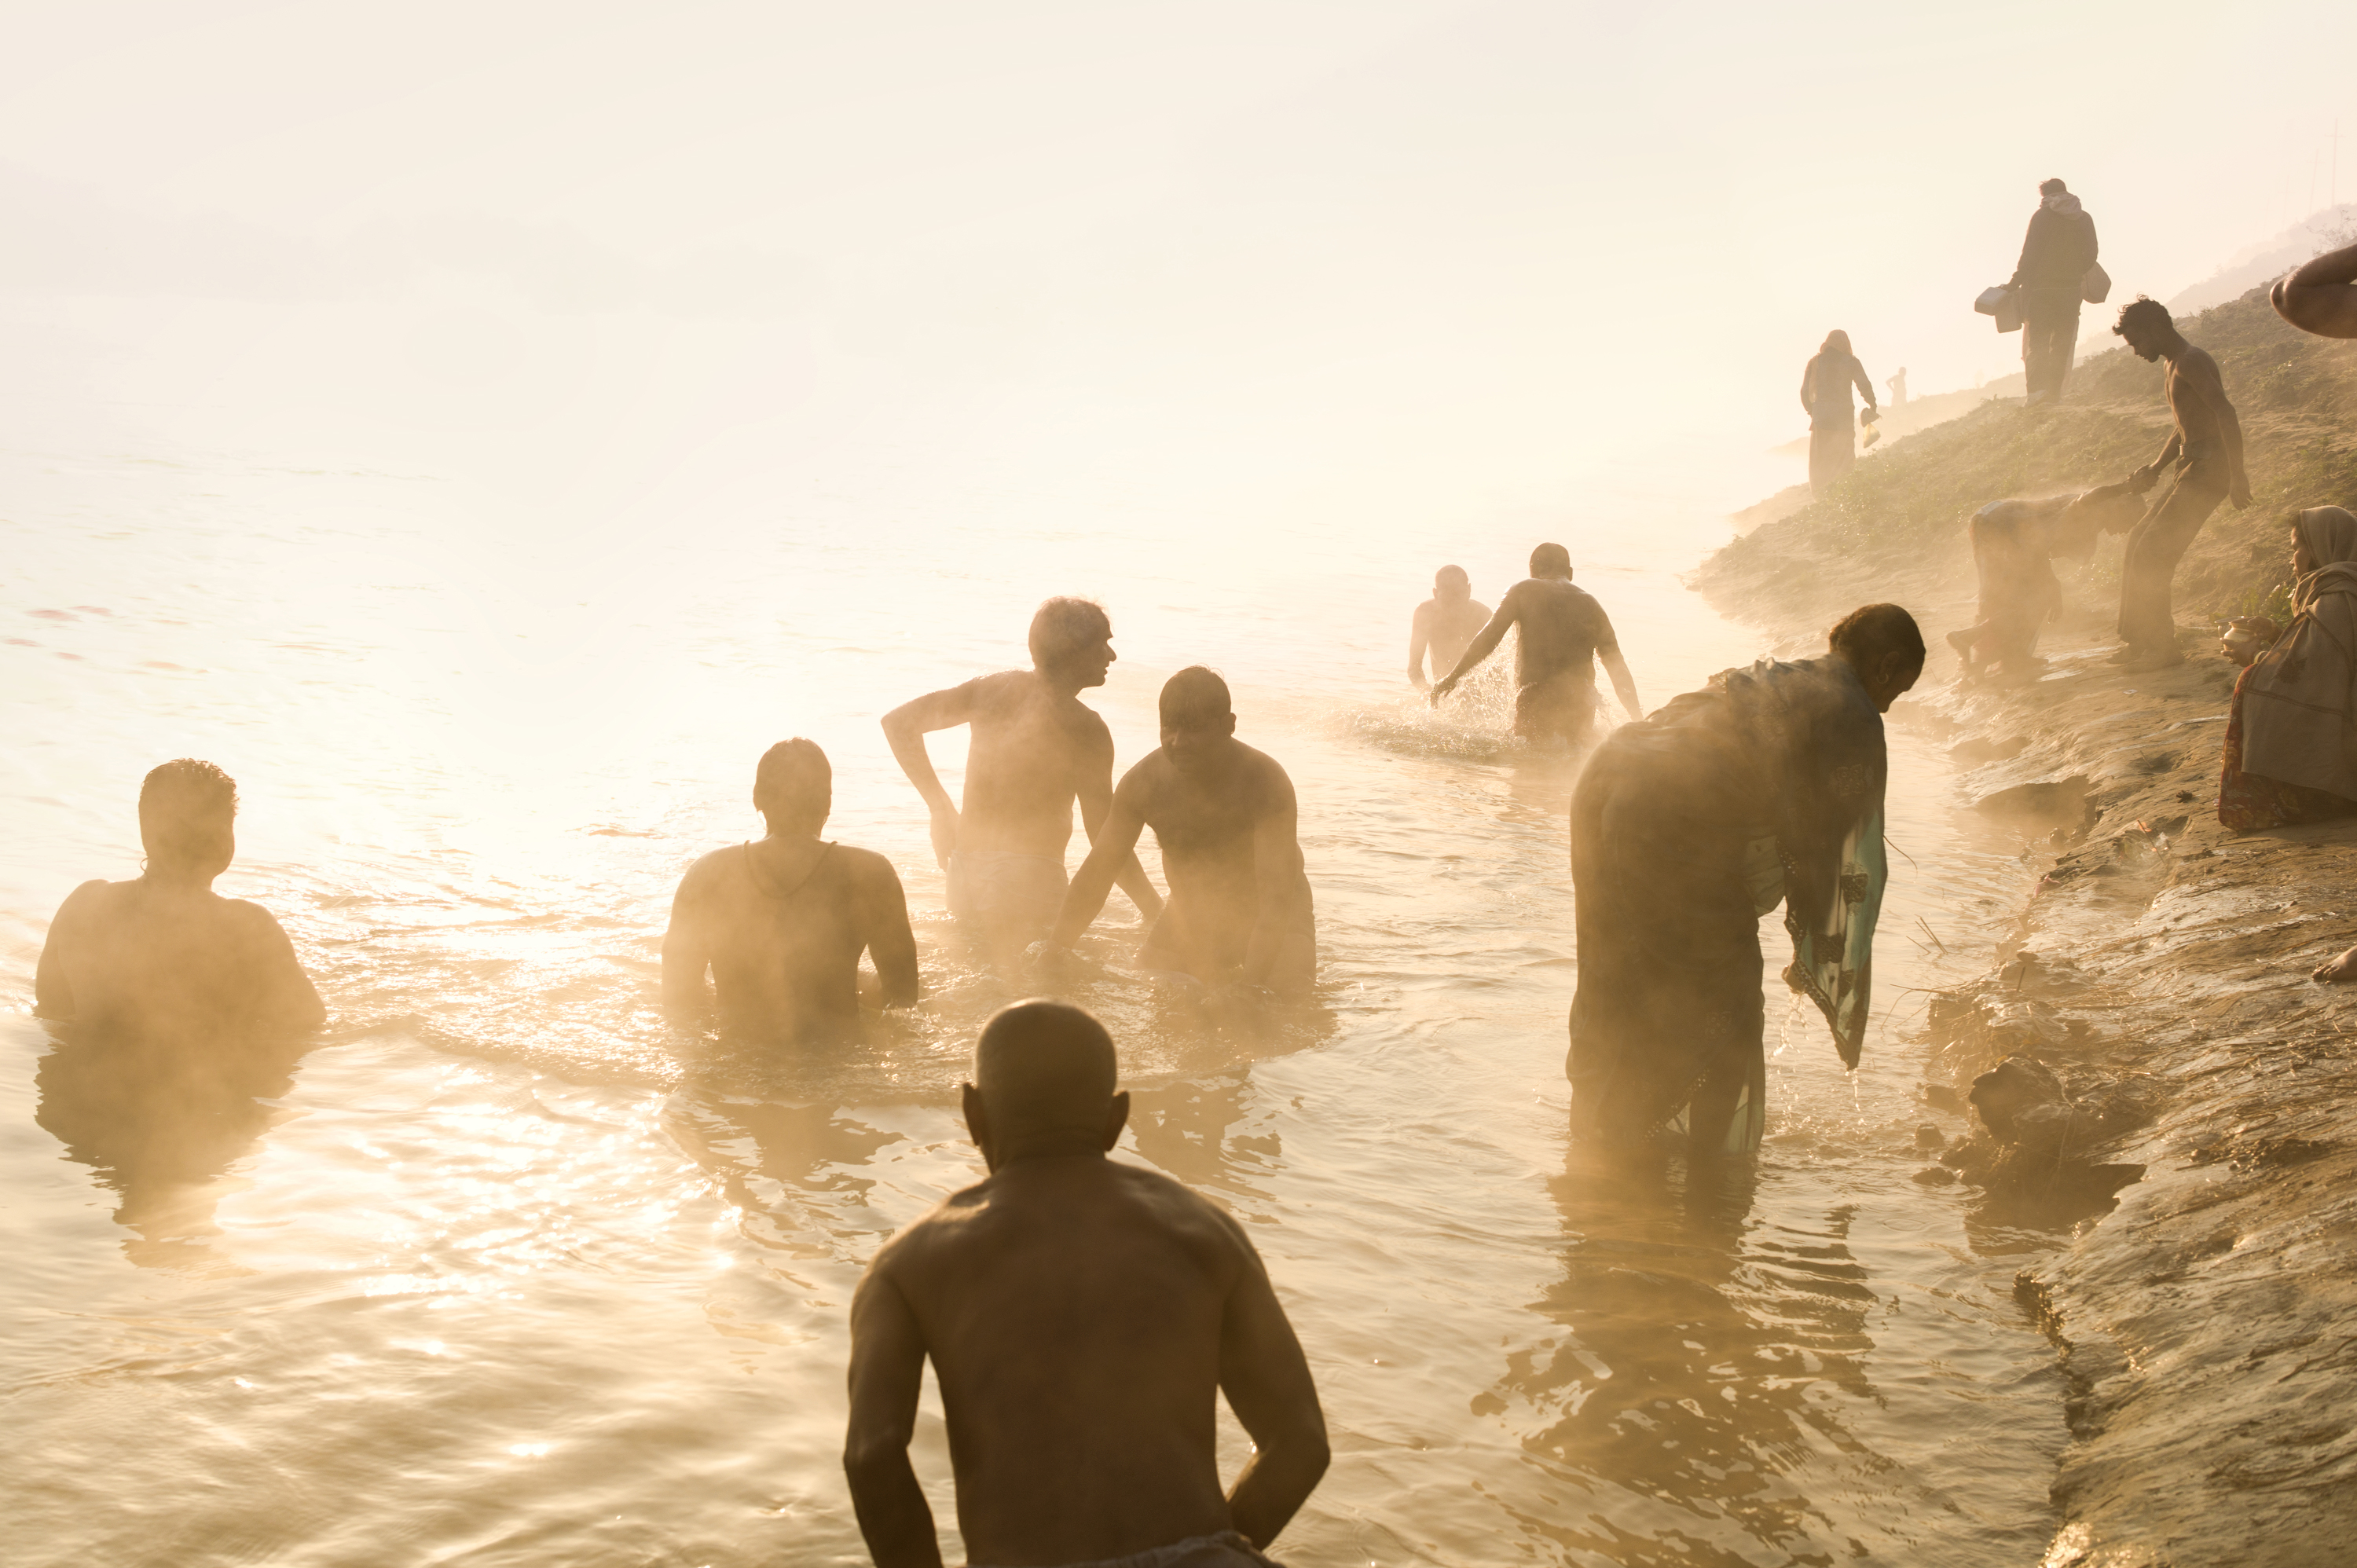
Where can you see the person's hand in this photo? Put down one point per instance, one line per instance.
(1442, 687)
(2141, 480)
(945, 835)
(2241, 494)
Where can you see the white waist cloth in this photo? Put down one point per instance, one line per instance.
(1225, 1550)
(1006, 884)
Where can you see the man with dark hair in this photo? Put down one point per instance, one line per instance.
(1081, 1315)
(1444, 624)
(779, 924)
(164, 955)
(1035, 749)
(2205, 450)
(1239, 908)
(1563, 632)
(2056, 255)
(1763, 788)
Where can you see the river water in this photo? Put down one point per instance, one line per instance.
(504, 1273)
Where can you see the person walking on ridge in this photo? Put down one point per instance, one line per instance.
(2048, 281)
(1832, 419)
(2205, 450)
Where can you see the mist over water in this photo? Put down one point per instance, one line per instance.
(510, 1273)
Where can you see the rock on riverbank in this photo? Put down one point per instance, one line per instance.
(2155, 1076)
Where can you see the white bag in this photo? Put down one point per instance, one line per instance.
(1992, 299)
(2096, 286)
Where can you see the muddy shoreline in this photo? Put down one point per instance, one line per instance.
(2173, 1111)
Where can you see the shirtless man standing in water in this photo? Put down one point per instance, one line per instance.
(780, 924)
(1081, 1317)
(164, 956)
(1035, 749)
(1444, 624)
(1565, 631)
(1224, 815)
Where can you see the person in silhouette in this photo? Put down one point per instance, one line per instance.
(2015, 545)
(1563, 632)
(1763, 788)
(1035, 750)
(2204, 455)
(779, 924)
(1444, 624)
(1825, 383)
(1081, 1316)
(1897, 382)
(2048, 283)
(163, 953)
(1239, 908)
(2321, 295)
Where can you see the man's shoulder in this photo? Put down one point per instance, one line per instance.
(866, 863)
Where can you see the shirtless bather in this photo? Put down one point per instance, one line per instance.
(163, 955)
(1081, 1316)
(1223, 813)
(1444, 624)
(780, 924)
(1035, 749)
(1565, 631)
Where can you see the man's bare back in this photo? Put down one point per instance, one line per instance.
(1081, 1317)
(142, 958)
(1564, 631)
(164, 956)
(1226, 819)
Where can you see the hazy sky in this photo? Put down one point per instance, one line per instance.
(1418, 253)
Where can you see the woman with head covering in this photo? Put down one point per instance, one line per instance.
(1833, 420)
(2291, 730)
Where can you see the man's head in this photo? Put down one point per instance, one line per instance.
(1884, 646)
(1550, 560)
(2052, 188)
(1836, 342)
(1043, 1084)
(1451, 584)
(2145, 324)
(1071, 639)
(187, 815)
(1198, 718)
(795, 788)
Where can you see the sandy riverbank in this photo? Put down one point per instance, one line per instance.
(2175, 1109)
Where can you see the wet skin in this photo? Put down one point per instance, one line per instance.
(1552, 643)
(1081, 1317)
(1225, 814)
(2196, 401)
(1035, 749)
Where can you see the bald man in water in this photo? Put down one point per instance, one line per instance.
(1239, 908)
(779, 924)
(1443, 624)
(1081, 1317)
(163, 955)
(1563, 632)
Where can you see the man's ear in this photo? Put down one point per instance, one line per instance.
(1229, 727)
(1116, 1118)
(977, 1122)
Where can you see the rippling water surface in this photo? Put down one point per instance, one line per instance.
(502, 1272)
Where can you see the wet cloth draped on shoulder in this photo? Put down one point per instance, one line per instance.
(2300, 701)
(1815, 744)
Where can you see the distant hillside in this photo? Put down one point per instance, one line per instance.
(2255, 266)
(1894, 528)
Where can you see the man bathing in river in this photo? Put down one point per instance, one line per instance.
(1563, 632)
(163, 956)
(1081, 1317)
(1763, 788)
(1444, 624)
(2206, 451)
(780, 924)
(1034, 750)
(1240, 907)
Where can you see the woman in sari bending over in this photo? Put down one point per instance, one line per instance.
(1763, 788)
(2291, 729)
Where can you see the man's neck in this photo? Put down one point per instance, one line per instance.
(164, 879)
(1057, 683)
(1050, 1153)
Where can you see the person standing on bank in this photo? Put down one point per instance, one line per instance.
(2205, 453)
(1832, 419)
(2047, 284)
